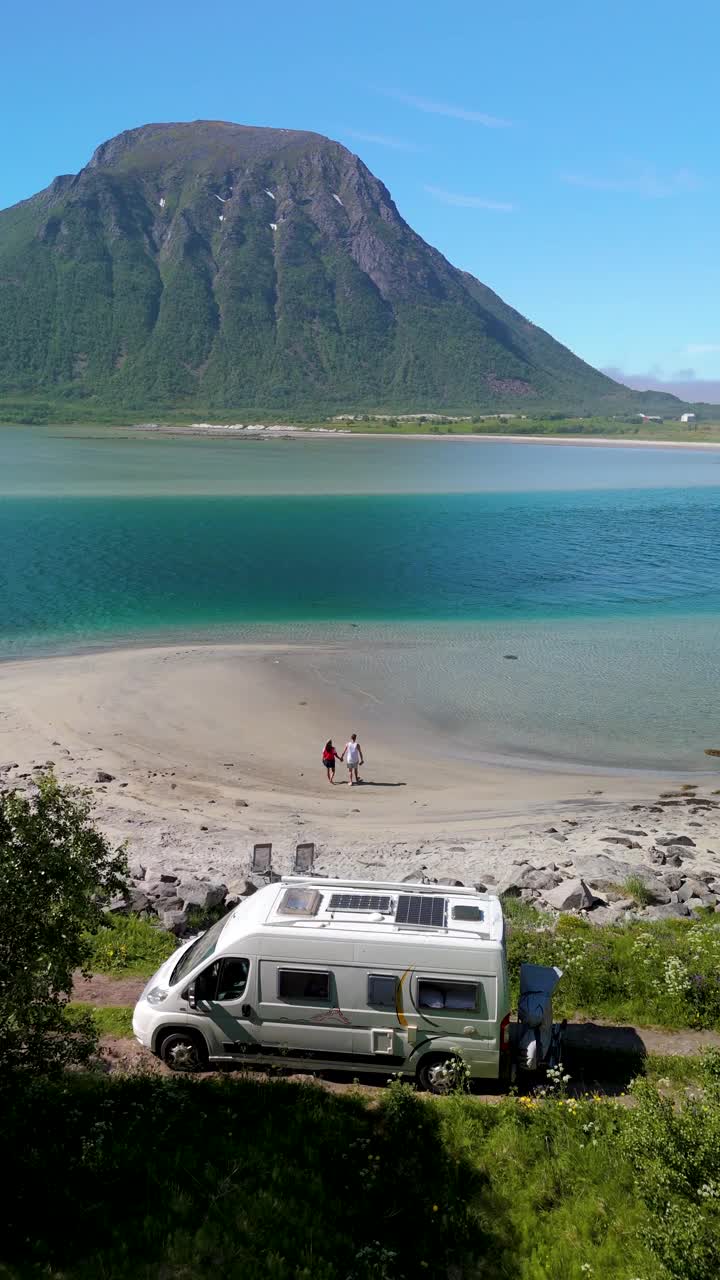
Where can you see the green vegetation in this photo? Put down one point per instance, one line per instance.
(55, 869)
(128, 946)
(109, 1019)
(125, 291)
(292, 1182)
(665, 972)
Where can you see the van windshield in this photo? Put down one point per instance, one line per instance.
(201, 949)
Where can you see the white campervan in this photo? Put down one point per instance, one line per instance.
(344, 975)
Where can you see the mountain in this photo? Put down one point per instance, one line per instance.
(214, 266)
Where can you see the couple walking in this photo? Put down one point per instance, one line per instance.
(352, 755)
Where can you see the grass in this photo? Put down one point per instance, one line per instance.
(110, 1019)
(129, 947)
(289, 1182)
(634, 887)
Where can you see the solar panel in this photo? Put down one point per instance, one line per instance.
(359, 902)
(420, 909)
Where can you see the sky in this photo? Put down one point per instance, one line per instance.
(566, 154)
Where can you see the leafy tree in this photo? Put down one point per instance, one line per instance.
(56, 871)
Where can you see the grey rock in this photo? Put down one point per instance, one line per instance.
(241, 804)
(540, 879)
(118, 905)
(201, 894)
(138, 902)
(601, 869)
(159, 890)
(606, 915)
(666, 911)
(175, 922)
(231, 902)
(102, 776)
(244, 888)
(625, 841)
(156, 873)
(137, 871)
(673, 879)
(673, 840)
(691, 888)
(658, 856)
(570, 895)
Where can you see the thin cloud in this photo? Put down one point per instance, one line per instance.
(382, 140)
(468, 202)
(692, 389)
(648, 183)
(702, 348)
(447, 109)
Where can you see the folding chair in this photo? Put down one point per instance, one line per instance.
(304, 859)
(261, 864)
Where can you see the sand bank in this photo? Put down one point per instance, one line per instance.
(212, 748)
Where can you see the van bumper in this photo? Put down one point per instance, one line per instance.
(143, 1023)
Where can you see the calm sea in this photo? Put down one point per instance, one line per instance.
(598, 567)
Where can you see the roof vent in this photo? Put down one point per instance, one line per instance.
(299, 901)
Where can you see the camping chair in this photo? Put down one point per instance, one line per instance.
(304, 859)
(261, 864)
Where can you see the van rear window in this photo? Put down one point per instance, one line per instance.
(303, 984)
(435, 993)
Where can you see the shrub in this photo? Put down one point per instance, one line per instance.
(128, 945)
(55, 871)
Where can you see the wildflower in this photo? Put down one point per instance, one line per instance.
(435, 1208)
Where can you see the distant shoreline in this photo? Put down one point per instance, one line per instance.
(289, 432)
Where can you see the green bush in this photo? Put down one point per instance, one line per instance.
(55, 870)
(664, 972)
(128, 946)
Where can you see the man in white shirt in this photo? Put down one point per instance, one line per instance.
(353, 757)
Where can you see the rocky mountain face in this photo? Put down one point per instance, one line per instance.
(222, 267)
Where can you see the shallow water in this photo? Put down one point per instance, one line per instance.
(597, 567)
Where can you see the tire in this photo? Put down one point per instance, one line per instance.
(183, 1051)
(435, 1074)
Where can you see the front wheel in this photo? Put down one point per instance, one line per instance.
(182, 1051)
(438, 1074)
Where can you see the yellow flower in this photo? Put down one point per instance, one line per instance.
(435, 1208)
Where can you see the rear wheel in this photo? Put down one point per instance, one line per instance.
(184, 1051)
(438, 1074)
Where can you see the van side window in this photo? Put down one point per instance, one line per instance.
(382, 990)
(233, 978)
(303, 984)
(436, 993)
(223, 980)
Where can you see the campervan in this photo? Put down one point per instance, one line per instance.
(349, 975)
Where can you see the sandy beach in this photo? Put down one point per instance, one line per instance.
(212, 748)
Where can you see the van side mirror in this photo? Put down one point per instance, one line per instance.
(189, 995)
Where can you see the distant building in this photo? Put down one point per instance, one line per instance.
(688, 417)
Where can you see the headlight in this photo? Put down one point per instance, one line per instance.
(156, 995)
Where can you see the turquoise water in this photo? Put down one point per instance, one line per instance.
(598, 567)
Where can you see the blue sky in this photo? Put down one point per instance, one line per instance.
(566, 154)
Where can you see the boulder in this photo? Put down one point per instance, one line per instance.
(693, 888)
(202, 894)
(614, 914)
(175, 922)
(102, 776)
(538, 878)
(599, 869)
(666, 911)
(625, 841)
(137, 871)
(657, 856)
(153, 874)
(138, 902)
(571, 895)
(241, 888)
(672, 840)
(694, 904)
(673, 879)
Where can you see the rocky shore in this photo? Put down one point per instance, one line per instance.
(652, 858)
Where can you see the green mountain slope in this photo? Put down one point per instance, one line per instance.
(226, 268)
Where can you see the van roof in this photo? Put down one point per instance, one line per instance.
(369, 910)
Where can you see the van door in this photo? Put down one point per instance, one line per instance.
(299, 1008)
(224, 997)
